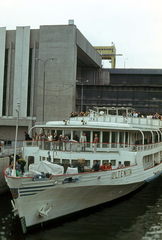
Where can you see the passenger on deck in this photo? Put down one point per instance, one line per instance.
(129, 114)
(81, 114)
(44, 135)
(65, 139)
(83, 141)
(96, 166)
(27, 136)
(109, 166)
(75, 114)
(55, 137)
(124, 114)
(79, 166)
(22, 163)
(11, 159)
(60, 139)
(139, 114)
(95, 143)
(40, 137)
(18, 165)
(43, 138)
(50, 138)
(35, 138)
(120, 165)
(103, 167)
(135, 114)
(16, 168)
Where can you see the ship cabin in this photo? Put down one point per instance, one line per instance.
(121, 137)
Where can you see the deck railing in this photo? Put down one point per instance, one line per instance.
(119, 119)
(7, 151)
(73, 146)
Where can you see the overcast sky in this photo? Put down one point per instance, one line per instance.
(134, 26)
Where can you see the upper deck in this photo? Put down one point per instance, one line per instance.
(108, 118)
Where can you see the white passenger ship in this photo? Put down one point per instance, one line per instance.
(136, 142)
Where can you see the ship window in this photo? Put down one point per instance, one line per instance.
(30, 160)
(114, 139)
(65, 161)
(126, 163)
(88, 133)
(105, 161)
(121, 138)
(106, 137)
(56, 161)
(126, 138)
(87, 163)
(113, 162)
(73, 161)
(59, 132)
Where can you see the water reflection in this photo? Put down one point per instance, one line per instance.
(134, 217)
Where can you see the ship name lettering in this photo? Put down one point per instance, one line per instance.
(121, 173)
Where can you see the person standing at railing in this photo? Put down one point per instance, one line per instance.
(96, 166)
(50, 138)
(129, 114)
(139, 115)
(55, 137)
(135, 114)
(60, 139)
(95, 143)
(83, 141)
(109, 166)
(35, 138)
(27, 138)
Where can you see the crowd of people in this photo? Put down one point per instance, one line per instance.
(104, 167)
(75, 114)
(139, 115)
(19, 164)
(134, 114)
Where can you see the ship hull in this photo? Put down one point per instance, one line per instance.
(40, 201)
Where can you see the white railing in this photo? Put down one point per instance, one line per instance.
(7, 151)
(118, 119)
(74, 146)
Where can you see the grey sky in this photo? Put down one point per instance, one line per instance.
(135, 26)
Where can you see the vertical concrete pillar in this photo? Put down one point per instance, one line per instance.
(33, 97)
(21, 69)
(9, 84)
(2, 62)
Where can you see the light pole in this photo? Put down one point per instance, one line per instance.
(17, 124)
(125, 61)
(44, 63)
(82, 82)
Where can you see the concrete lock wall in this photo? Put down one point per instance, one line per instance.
(57, 42)
(22, 75)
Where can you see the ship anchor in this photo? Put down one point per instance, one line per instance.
(44, 210)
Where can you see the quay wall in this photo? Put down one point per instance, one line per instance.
(3, 185)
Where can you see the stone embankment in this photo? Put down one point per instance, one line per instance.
(4, 161)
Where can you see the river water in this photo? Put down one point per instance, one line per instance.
(134, 217)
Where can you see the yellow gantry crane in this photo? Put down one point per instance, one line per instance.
(108, 52)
